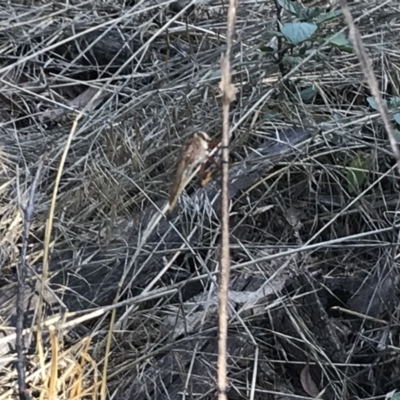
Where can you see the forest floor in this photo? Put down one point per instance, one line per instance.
(99, 96)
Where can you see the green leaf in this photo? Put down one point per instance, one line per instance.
(328, 16)
(357, 171)
(372, 103)
(397, 118)
(291, 60)
(394, 102)
(268, 35)
(290, 6)
(397, 134)
(309, 13)
(308, 93)
(396, 396)
(215, 75)
(340, 41)
(297, 32)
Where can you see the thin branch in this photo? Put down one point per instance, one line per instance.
(21, 276)
(365, 62)
(280, 52)
(229, 92)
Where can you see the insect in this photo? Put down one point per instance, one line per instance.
(195, 152)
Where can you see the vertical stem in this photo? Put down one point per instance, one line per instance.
(228, 96)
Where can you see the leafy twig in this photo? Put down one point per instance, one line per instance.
(21, 276)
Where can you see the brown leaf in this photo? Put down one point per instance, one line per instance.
(307, 382)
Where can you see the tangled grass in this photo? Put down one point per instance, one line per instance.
(146, 75)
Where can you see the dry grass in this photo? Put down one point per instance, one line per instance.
(156, 74)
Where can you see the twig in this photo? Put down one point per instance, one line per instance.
(21, 276)
(281, 52)
(229, 92)
(365, 62)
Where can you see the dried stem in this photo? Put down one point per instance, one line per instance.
(21, 276)
(229, 92)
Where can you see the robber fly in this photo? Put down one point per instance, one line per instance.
(195, 152)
